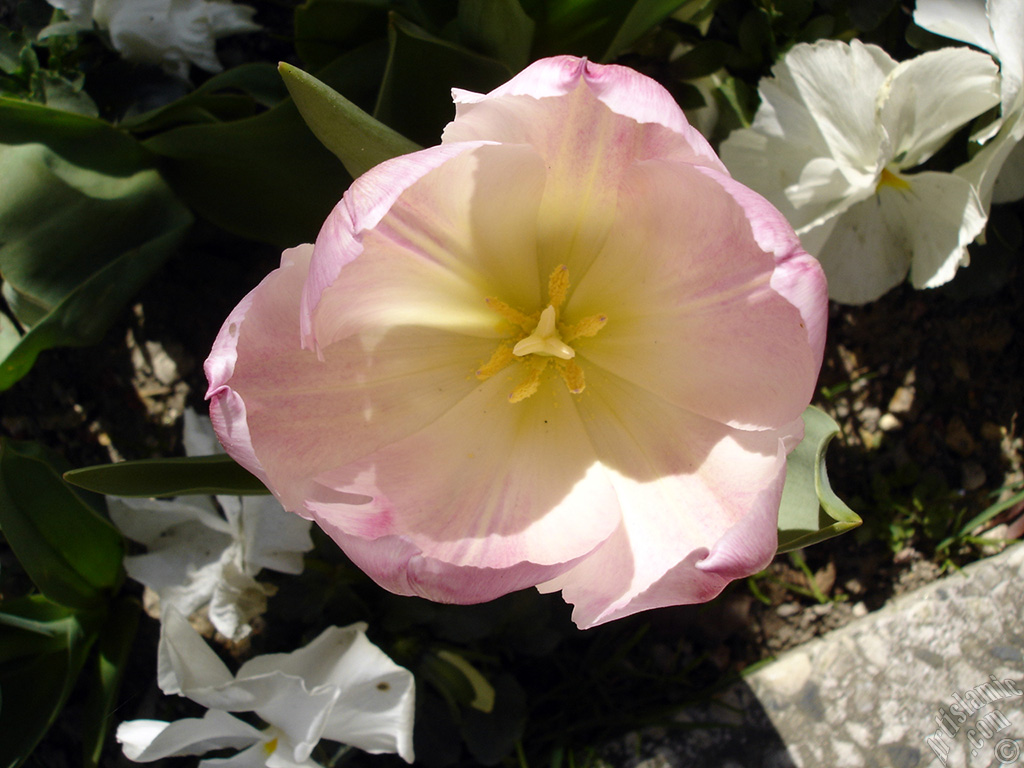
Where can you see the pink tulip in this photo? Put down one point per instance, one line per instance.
(562, 349)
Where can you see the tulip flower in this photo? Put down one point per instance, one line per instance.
(835, 145)
(340, 687)
(561, 349)
(198, 557)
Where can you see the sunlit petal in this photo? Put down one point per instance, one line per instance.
(697, 513)
(147, 740)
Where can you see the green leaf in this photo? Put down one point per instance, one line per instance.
(697, 12)
(37, 626)
(644, 15)
(355, 138)
(61, 93)
(266, 177)
(483, 691)
(598, 29)
(81, 140)
(447, 679)
(218, 474)
(216, 100)
(810, 511)
(415, 96)
(75, 245)
(105, 672)
(33, 690)
(491, 736)
(70, 552)
(497, 28)
(11, 45)
(325, 29)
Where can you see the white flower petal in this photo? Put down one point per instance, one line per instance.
(284, 701)
(374, 710)
(942, 218)
(187, 595)
(237, 598)
(1009, 186)
(185, 663)
(266, 754)
(274, 538)
(79, 11)
(927, 98)
(198, 436)
(837, 85)
(148, 521)
(815, 147)
(984, 169)
(1006, 19)
(146, 740)
(964, 20)
(924, 230)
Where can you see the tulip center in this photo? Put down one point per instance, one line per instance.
(541, 340)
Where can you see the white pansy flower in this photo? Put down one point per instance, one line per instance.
(168, 33)
(996, 26)
(339, 687)
(197, 557)
(834, 144)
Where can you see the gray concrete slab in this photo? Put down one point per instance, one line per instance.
(934, 678)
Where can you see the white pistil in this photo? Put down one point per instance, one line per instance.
(544, 340)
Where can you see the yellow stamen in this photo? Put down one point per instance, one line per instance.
(542, 339)
(572, 375)
(531, 383)
(514, 316)
(270, 746)
(890, 179)
(558, 286)
(588, 326)
(502, 357)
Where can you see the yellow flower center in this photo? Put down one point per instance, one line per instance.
(890, 179)
(270, 747)
(540, 339)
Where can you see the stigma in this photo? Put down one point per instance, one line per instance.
(544, 340)
(541, 340)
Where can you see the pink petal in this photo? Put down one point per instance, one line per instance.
(699, 505)
(287, 416)
(724, 315)
(369, 198)
(507, 484)
(463, 232)
(399, 567)
(496, 117)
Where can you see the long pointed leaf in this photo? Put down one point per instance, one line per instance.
(208, 475)
(357, 139)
